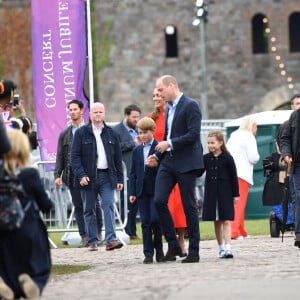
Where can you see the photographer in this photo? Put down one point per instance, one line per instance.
(10, 102)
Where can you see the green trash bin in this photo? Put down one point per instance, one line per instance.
(268, 123)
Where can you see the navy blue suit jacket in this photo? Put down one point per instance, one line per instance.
(142, 178)
(127, 144)
(185, 136)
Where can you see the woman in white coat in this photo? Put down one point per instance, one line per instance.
(243, 147)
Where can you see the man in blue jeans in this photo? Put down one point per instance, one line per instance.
(96, 161)
(63, 171)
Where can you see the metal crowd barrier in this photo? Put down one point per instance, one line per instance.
(61, 218)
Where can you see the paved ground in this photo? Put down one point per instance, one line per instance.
(262, 268)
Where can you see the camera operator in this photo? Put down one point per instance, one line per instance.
(10, 101)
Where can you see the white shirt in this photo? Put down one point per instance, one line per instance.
(172, 108)
(101, 161)
(243, 147)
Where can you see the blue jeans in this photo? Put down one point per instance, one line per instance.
(150, 224)
(90, 197)
(166, 179)
(296, 181)
(78, 209)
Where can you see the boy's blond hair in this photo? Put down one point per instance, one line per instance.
(146, 123)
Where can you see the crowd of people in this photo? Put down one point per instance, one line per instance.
(163, 156)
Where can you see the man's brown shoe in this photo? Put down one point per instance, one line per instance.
(93, 247)
(113, 245)
(83, 243)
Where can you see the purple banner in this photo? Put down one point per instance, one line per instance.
(59, 51)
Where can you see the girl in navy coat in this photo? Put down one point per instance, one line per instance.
(25, 261)
(221, 191)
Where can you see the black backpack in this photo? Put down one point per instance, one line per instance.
(12, 212)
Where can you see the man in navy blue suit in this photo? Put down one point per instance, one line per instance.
(181, 158)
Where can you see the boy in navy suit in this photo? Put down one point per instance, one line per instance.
(141, 189)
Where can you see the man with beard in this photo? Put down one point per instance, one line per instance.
(128, 135)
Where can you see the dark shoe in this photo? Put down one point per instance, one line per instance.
(191, 258)
(113, 245)
(148, 260)
(93, 247)
(5, 291)
(297, 242)
(83, 243)
(29, 287)
(172, 253)
(159, 255)
(183, 254)
(134, 237)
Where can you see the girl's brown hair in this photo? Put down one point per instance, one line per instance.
(218, 135)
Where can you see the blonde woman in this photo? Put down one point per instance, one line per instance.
(24, 253)
(243, 147)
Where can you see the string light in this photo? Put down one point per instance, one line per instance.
(277, 57)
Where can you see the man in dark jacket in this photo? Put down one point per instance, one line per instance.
(290, 151)
(128, 135)
(96, 161)
(181, 159)
(63, 171)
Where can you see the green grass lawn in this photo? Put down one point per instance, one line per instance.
(253, 227)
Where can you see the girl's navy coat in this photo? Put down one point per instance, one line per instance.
(221, 186)
(26, 250)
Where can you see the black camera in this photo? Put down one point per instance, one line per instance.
(16, 100)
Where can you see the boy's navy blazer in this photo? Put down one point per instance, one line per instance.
(141, 178)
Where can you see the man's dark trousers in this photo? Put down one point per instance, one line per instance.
(166, 179)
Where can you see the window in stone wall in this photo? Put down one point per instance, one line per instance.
(260, 34)
(294, 26)
(171, 41)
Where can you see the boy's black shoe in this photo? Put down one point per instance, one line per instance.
(191, 258)
(172, 253)
(148, 260)
(159, 255)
